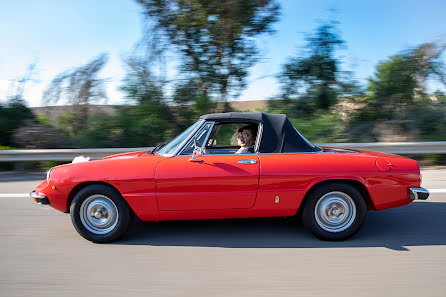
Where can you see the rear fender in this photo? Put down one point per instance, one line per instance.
(355, 181)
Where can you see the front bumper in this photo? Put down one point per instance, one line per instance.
(418, 193)
(39, 198)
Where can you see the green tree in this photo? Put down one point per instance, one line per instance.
(79, 87)
(399, 81)
(148, 119)
(313, 78)
(190, 103)
(13, 114)
(215, 38)
(398, 96)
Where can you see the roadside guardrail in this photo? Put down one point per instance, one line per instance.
(404, 148)
(62, 154)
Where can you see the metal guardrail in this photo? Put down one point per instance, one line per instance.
(405, 148)
(62, 154)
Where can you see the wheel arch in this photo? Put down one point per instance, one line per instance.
(80, 186)
(355, 183)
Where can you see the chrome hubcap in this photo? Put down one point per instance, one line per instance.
(335, 212)
(99, 214)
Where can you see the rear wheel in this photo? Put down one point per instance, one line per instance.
(334, 211)
(99, 213)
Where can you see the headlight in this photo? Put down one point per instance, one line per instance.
(48, 175)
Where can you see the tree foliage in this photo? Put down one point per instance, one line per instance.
(78, 87)
(313, 77)
(149, 119)
(398, 95)
(215, 38)
(13, 114)
(401, 79)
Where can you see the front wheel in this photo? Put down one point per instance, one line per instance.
(334, 211)
(99, 213)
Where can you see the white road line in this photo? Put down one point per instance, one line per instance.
(26, 195)
(15, 195)
(437, 190)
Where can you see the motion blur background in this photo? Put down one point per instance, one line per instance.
(92, 74)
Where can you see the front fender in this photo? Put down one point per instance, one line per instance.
(134, 178)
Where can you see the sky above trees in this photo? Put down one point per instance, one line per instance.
(59, 35)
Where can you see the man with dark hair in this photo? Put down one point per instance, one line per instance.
(246, 138)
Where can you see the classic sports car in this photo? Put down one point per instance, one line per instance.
(201, 174)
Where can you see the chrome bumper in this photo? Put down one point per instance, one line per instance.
(39, 198)
(418, 193)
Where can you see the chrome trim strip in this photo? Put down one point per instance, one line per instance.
(48, 173)
(258, 136)
(180, 146)
(418, 193)
(194, 133)
(39, 198)
(33, 194)
(207, 136)
(247, 162)
(262, 154)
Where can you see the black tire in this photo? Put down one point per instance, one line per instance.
(334, 211)
(99, 213)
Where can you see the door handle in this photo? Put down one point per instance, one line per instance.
(194, 159)
(247, 162)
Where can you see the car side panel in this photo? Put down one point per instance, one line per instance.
(285, 179)
(215, 182)
(295, 174)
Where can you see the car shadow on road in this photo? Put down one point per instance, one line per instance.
(416, 224)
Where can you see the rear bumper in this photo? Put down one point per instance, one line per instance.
(418, 193)
(39, 198)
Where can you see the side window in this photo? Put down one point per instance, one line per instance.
(223, 135)
(225, 138)
(198, 140)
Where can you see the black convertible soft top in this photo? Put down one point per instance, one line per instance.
(278, 136)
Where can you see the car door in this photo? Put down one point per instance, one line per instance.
(209, 182)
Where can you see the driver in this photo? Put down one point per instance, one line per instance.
(246, 138)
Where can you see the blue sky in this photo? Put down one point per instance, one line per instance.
(59, 35)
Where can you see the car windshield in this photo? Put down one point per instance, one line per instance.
(172, 146)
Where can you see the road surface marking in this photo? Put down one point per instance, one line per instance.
(437, 191)
(15, 195)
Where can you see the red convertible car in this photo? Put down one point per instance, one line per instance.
(204, 174)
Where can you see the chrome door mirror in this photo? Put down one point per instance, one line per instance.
(196, 155)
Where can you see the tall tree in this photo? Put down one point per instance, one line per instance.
(148, 119)
(78, 87)
(401, 79)
(398, 97)
(314, 75)
(13, 114)
(215, 37)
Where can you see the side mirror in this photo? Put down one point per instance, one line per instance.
(196, 155)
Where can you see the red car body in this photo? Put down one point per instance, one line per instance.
(171, 187)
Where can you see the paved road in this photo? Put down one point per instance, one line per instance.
(399, 252)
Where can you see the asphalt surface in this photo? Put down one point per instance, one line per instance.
(398, 252)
